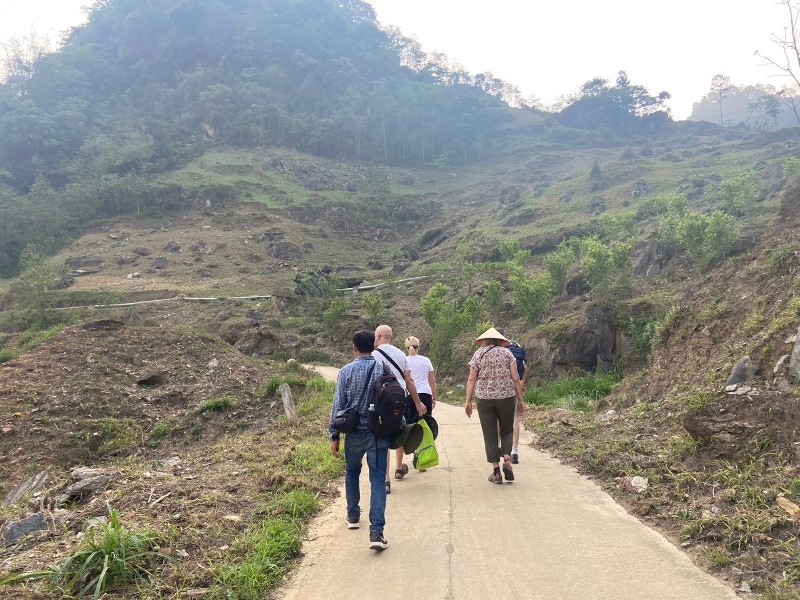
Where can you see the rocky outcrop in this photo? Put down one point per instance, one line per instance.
(589, 346)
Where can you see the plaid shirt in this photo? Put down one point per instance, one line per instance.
(349, 387)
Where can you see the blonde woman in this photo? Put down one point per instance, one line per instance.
(422, 373)
(494, 381)
(425, 381)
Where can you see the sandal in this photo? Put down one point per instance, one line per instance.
(401, 472)
(388, 487)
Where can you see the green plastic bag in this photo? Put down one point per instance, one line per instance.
(426, 456)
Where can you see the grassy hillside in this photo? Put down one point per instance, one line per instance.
(267, 236)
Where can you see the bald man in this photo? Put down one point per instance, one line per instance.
(384, 349)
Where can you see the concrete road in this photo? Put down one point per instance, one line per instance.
(550, 535)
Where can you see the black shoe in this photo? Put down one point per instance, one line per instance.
(515, 459)
(507, 472)
(377, 541)
(352, 521)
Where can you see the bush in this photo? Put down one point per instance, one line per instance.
(704, 238)
(791, 167)
(373, 307)
(558, 265)
(607, 267)
(448, 319)
(493, 296)
(739, 195)
(333, 316)
(532, 295)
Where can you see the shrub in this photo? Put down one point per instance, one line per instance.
(607, 267)
(791, 167)
(532, 295)
(493, 296)
(373, 307)
(739, 195)
(558, 265)
(448, 319)
(334, 315)
(704, 238)
(619, 227)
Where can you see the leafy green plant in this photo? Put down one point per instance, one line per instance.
(109, 558)
(558, 264)
(739, 195)
(620, 227)
(493, 296)
(333, 316)
(531, 295)
(608, 267)
(791, 167)
(373, 307)
(704, 238)
(448, 319)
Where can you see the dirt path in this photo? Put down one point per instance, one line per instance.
(329, 373)
(550, 535)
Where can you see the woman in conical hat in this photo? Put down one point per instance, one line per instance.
(494, 383)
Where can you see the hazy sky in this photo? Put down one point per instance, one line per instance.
(550, 47)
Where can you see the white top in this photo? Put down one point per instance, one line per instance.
(420, 367)
(397, 356)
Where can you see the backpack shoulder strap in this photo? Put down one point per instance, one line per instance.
(369, 379)
(389, 358)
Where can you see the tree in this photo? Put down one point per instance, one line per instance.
(768, 108)
(788, 44)
(721, 86)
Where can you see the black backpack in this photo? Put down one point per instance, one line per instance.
(385, 417)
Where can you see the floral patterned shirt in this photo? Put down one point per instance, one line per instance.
(494, 364)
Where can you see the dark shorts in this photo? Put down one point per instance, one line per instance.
(412, 416)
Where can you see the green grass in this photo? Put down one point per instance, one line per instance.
(110, 558)
(262, 554)
(314, 461)
(29, 340)
(216, 404)
(577, 392)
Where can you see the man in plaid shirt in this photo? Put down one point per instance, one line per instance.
(353, 390)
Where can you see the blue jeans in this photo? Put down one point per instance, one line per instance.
(356, 445)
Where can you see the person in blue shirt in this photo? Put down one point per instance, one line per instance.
(354, 390)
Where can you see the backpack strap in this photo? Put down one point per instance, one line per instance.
(369, 379)
(394, 364)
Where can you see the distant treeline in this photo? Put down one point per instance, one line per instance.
(145, 85)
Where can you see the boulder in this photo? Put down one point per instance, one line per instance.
(84, 262)
(257, 343)
(19, 529)
(742, 371)
(26, 488)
